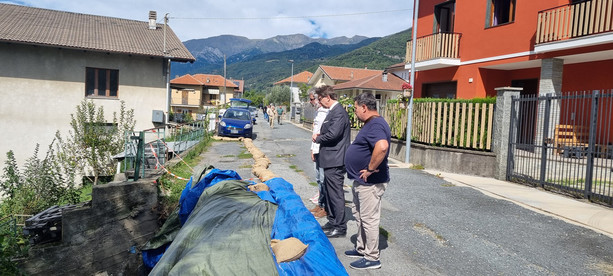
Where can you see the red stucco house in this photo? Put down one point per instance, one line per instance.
(466, 49)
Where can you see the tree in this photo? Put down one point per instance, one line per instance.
(304, 91)
(256, 97)
(277, 95)
(93, 141)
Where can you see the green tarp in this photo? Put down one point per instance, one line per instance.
(226, 234)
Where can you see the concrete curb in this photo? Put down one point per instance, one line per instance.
(578, 212)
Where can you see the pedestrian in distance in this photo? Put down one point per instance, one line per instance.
(333, 140)
(279, 114)
(265, 111)
(367, 165)
(319, 198)
(271, 115)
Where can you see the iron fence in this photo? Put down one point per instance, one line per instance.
(564, 142)
(149, 149)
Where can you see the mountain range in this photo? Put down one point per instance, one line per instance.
(261, 62)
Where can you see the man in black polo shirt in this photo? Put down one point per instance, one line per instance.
(366, 164)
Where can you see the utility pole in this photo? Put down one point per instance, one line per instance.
(224, 78)
(412, 82)
(291, 89)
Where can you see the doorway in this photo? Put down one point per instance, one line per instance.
(444, 17)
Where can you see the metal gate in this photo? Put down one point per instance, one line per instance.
(564, 143)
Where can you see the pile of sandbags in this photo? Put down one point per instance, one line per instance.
(261, 162)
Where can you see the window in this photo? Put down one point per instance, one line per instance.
(500, 12)
(444, 15)
(440, 90)
(101, 82)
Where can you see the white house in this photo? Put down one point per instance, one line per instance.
(52, 60)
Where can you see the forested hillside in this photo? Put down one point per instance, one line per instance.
(261, 70)
(378, 55)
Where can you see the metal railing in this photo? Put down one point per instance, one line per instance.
(574, 20)
(564, 142)
(148, 149)
(434, 46)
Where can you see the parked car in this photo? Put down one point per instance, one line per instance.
(254, 111)
(236, 122)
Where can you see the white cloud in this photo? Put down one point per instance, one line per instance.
(193, 19)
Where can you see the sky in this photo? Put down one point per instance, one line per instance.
(254, 19)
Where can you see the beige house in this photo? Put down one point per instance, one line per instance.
(190, 92)
(54, 59)
(300, 78)
(385, 86)
(332, 75)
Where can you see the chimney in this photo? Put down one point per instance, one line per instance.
(365, 66)
(153, 16)
(384, 76)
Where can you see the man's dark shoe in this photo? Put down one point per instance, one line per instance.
(365, 264)
(335, 233)
(327, 227)
(353, 254)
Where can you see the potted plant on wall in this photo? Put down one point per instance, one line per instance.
(407, 90)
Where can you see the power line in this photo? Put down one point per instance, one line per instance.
(290, 17)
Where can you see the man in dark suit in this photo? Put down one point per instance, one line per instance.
(334, 138)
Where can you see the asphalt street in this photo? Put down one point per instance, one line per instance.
(432, 227)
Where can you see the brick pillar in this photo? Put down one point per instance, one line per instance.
(550, 84)
(502, 126)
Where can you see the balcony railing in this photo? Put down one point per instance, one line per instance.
(574, 20)
(434, 46)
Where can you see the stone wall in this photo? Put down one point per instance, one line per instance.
(444, 159)
(105, 237)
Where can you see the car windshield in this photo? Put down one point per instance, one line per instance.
(237, 114)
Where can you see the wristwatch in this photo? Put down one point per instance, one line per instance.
(369, 170)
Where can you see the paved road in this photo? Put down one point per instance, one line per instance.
(434, 227)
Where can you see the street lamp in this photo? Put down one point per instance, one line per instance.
(407, 154)
(291, 85)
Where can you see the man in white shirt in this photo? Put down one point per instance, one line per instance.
(319, 211)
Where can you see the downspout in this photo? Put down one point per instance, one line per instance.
(167, 61)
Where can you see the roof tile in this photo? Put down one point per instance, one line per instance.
(302, 77)
(27, 25)
(374, 82)
(204, 80)
(346, 73)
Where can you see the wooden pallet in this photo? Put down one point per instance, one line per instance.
(572, 138)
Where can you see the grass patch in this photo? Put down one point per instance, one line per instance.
(245, 155)
(293, 167)
(286, 155)
(229, 155)
(172, 186)
(417, 167)
(85, 193)
(244, 166)
(313, 184)
(425, 230)
(384, 233)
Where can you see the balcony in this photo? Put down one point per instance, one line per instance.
(435, 51)
(575, 25)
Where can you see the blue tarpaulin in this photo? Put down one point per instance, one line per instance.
(291, 219)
